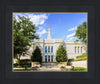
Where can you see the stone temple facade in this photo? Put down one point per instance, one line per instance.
(49, 47)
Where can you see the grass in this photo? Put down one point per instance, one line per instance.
(21, 70)
(77, 69)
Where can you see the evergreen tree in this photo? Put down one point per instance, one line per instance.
(36, 55)
(61, 54)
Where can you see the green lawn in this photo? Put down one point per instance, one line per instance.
(77, 69)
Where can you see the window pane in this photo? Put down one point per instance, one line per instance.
(45, 58)
(75, 49)
(51, 58)
(45, 49)
(78, 49)
(81, 49)
(48, 58)
(48, 49)
(52, 49)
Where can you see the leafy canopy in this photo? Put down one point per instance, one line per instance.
(36, 55)
(23, 33)
(61, 54)
(81, 32)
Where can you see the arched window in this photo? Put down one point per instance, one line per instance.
(78, 49)
(75, 49)
(81, 49)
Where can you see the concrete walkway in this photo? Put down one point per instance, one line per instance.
(46, 68)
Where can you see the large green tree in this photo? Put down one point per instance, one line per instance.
(81, 32)
(36, 55)
(61, 54)
(23, 33)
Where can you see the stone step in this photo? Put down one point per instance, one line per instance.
(48, 64)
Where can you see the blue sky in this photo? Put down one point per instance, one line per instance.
(62, 25)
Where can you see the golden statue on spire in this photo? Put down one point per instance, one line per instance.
(49, 25)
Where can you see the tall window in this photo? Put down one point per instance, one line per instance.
(45, 58)
(51, 58)
(48, 58)
(81, 49)
(75, 49)
(46, 49)
(78, 49)
(52, 49)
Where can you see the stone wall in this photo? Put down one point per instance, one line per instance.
(79, 64)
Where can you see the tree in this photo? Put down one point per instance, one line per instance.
(61, 54)
(36, 55)
(23, 33)
(81, 32)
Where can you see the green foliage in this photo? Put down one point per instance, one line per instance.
(61, 54)
(81, 56)
(25, 61)
(72, 59)
(23, 33)
(81, 32)
(62, 67)
(77, 69)
(36, 55)
(81, 59)
(21, 67)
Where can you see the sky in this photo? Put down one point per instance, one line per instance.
(62, 25)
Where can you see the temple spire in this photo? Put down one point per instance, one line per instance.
(49, 36)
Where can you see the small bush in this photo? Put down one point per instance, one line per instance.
(62, 67)
(77, 69)
(72, 59)
(81, 59)
(81, 56)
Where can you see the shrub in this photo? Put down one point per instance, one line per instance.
(72, 59)
(25, 61)
(62, 67)
(77, 69)
(81, 59)
(61, 54)
(81, 56)
(36, 55)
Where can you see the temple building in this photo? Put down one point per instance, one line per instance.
(49, 47)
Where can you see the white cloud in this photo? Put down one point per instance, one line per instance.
(70, 35)
(74, 28)
(37, 19)
(43, 31)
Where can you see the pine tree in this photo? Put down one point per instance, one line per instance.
(36, 55)
(61, 54)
